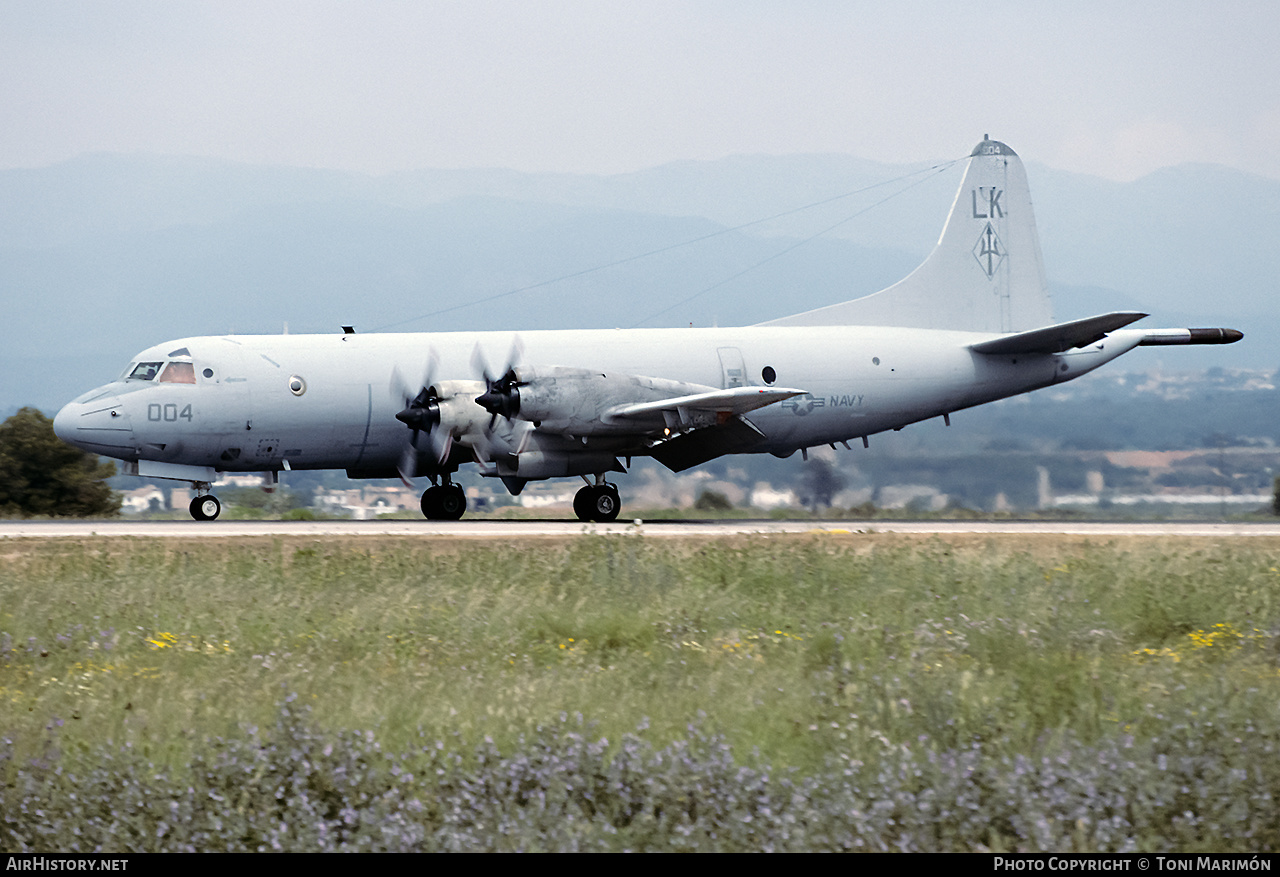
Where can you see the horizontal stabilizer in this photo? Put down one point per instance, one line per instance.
(1060, 337)
(1154, 337)
(735, 400)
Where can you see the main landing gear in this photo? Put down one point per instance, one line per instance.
(444, 502)
(205, 508)
(597, 502)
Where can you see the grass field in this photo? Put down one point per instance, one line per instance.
(881, 692)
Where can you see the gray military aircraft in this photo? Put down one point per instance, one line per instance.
(970, 325)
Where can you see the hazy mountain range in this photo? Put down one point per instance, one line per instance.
(106, 254)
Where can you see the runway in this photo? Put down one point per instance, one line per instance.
(490, 528)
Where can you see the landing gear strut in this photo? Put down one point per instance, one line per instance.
(444, 502)
(597, 502)
(205, 508)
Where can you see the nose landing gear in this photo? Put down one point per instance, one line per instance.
(205, 508)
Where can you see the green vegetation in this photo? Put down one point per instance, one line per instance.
(971, 691)
(712, 501)
(254, 503)
(39, 475)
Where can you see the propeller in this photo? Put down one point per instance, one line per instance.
(502, 394)
(421, 413)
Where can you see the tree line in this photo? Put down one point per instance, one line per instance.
(40, 475)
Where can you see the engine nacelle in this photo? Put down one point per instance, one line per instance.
(459, 414)
(576, 401)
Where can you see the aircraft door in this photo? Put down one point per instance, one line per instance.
(733, 372)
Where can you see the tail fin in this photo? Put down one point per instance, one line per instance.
(986, 273)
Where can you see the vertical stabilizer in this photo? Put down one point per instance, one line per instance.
(986, 273)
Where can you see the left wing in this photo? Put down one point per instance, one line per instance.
(701, 426)
(723, 404)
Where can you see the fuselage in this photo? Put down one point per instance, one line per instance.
(263, 403)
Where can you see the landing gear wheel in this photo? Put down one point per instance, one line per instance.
(446, 502)
(598, 502)
(205, 508)
(431, 503)
(607, 504)
(453, 502)
(582, 503)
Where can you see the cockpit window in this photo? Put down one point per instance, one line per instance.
(181, 351)
(179, 373)
(144, 371)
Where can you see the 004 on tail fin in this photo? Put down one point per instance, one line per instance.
(985, 274)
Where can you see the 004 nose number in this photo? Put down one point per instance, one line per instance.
(170, 412)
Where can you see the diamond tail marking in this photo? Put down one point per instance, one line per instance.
(988, 251)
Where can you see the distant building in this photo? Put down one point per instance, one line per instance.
(147, 498)
(765, 496)
(364, 503)
(241, 479)
(548, 494)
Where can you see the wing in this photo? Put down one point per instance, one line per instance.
(683, 410)
(702, 426)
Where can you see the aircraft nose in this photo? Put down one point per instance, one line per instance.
(95, 422)
(63, 422)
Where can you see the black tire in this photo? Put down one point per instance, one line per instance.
(446, 502)
(205, 508)
(582, 502)
(431, 503)
(598, 503)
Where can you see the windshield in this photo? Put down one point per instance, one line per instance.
(179, 373)
(144, 371)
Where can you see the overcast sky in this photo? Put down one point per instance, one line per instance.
(1111, 88)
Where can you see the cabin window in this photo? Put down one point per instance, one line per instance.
(145, 371)
(179, 373)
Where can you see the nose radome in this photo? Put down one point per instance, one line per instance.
(64, 422)
(95, 422)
